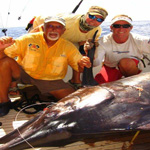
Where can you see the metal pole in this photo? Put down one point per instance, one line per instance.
(75, 9)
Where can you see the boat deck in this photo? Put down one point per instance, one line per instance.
(106, 142)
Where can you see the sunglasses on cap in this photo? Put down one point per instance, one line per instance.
(121, 25)
(97, 19)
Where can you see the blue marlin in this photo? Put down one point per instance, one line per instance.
(119, 106)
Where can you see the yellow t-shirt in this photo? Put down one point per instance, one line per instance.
(41, 62)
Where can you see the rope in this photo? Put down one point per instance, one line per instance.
(128, 145)
(135, 136)
(16, 118)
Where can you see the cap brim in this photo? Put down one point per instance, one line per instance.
(121, 19)
(46, 21)
(93, 13)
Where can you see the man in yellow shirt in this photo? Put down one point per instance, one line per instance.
(79, 28)
(43, 58)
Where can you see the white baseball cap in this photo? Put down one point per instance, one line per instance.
(55, 19)
(121, 17)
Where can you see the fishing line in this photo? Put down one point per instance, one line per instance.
(4, 29)
(18, 115)
(23, 10)
(1, 20)
(8, 12)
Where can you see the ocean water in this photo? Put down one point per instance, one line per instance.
(139, 27)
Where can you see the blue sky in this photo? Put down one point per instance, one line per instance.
(27, 9)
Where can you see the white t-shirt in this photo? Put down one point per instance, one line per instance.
(111, 52)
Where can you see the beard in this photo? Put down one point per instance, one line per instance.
(53, 36)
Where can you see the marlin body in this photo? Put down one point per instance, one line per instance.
(123, 105)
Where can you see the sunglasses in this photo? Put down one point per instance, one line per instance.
(121, 25)
(97, 19)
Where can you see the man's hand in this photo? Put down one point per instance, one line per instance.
(89, 45)
(6, 42)
(84, 62)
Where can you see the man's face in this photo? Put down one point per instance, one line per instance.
(121, 28)
(94, 20)
(53, 30)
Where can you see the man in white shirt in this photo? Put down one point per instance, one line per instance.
(121, 50)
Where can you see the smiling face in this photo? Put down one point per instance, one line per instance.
(53, 30)
(94, 20)
(121, 33)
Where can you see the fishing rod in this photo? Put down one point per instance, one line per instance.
(75, 9)
(30, 24)
(19, 18)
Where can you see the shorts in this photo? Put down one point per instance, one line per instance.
(44, 86)
(136, 61)
(109, 74)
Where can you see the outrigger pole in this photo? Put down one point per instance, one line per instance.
(75, 9)
(4, 30)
